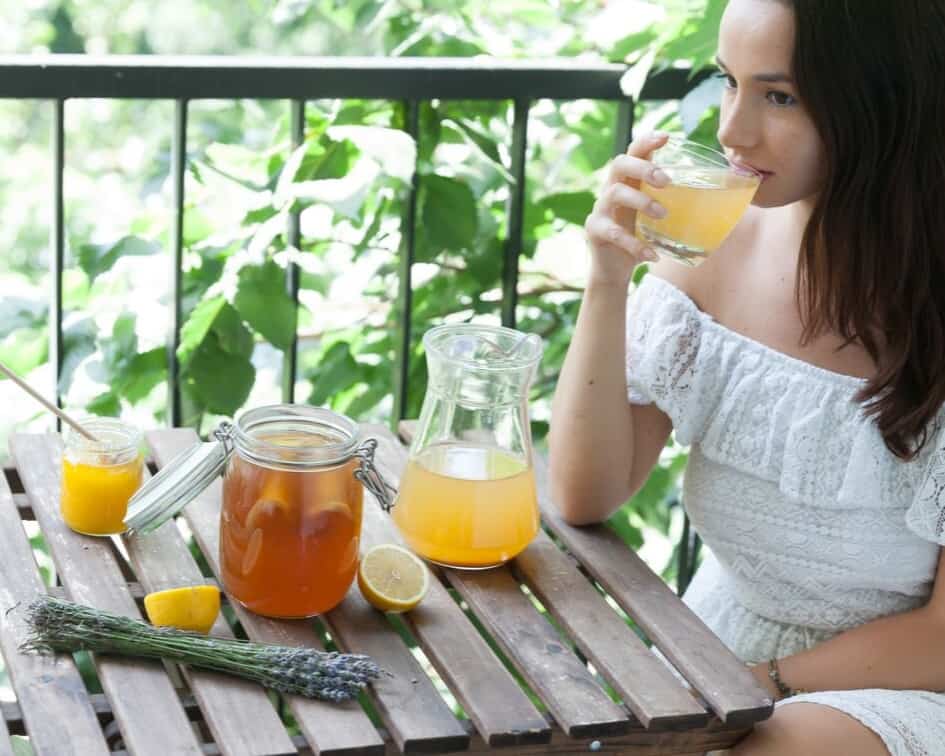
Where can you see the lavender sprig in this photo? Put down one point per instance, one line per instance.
(57, 625)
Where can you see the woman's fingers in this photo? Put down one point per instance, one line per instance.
(622, 203)
(633, 170)
(611, 223)
(603, 231)
(642, 146)
(620, 196)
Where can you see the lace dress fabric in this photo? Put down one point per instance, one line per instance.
(813, 527)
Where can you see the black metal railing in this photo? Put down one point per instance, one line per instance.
(411, 80)
(296, 80)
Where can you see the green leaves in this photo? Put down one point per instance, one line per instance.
(214, 354)
(314, 161)
(141, 374)
(220, 379)
(217, 341)
(689, 34)
(448, 213)
(262, 300)
(335, 371)
(24, 350)
(129, 375)
(96, 259)
(16, 313)
(78, 342)
(573, 207)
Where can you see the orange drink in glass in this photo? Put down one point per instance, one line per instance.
(704, 201)
(465, 505)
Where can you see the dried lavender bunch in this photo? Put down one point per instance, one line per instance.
(57, 625)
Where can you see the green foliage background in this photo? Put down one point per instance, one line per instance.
(350, 180)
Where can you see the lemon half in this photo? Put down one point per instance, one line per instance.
(392, 579)
(192, 608)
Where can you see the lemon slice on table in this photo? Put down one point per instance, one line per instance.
(190, 608)
(392, 579)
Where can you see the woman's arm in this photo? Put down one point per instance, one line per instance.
(598, 443)
(601, 447)
(902, 652)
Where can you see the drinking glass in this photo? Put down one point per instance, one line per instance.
(704, 201)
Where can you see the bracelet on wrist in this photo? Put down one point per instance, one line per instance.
(774, 674)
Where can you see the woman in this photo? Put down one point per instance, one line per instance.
(804, 362)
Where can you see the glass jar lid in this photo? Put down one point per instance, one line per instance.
(178, 483)
(186, 476)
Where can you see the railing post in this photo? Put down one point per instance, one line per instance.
(294, 241)
(178, 171)
(404, 306)
(58, 244)
(624, 134)
(515, 213)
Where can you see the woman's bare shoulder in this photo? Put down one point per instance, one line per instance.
(699, 282)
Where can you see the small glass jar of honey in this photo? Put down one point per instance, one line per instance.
(99, 477)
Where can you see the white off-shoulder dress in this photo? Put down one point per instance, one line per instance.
(813, 527)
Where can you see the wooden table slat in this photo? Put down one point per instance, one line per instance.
(329, 728)
(700, 656)
(6, 746)
(145, 703)
(500, 709)
(579, 705)
(646, 685)
(636, 743)
(239, 713)
(55, 705)
(22, 503)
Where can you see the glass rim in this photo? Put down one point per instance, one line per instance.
(516, 357)
(343, 434)
(710, 158)
(129, 436)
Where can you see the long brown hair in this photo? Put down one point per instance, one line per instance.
(872, 262)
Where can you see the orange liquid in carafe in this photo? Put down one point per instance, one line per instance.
(289, 539)
(467, 506)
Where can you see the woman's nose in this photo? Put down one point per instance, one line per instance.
(738, 127)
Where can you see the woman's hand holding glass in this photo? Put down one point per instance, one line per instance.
(615, 249)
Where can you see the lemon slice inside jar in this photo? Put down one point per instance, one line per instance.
(392, 579)
(193, 608)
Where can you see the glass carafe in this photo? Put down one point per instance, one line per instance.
(467, 498)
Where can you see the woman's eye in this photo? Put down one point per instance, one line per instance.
(729, 80)
(782, 99)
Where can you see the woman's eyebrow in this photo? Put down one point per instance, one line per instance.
(768, 78)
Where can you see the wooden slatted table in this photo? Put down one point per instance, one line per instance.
(527, 658)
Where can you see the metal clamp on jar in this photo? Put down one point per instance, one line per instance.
(290, 523)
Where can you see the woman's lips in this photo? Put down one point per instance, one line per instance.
(749, 168)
